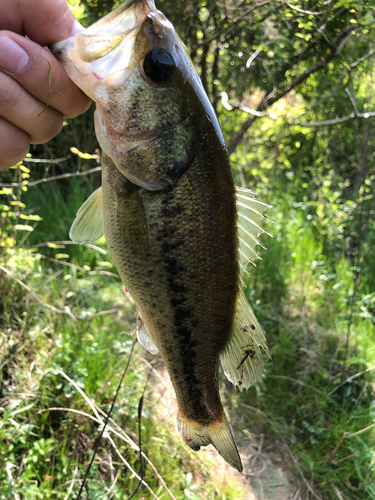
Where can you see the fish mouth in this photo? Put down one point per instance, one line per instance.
(114, 31)
(104, 50)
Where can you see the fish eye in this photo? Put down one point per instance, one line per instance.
(159, 65)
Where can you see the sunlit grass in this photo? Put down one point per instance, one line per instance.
(318, 388)
(58, 372)
(316, 392)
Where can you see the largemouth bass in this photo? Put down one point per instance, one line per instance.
(178, 230)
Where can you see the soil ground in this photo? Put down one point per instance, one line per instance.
(265, 472)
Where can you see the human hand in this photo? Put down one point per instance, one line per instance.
(35, 92)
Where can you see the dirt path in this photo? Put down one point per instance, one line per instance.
(263, 474)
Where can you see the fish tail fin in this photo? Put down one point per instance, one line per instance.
(217, 433)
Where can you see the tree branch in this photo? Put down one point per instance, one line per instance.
(323, 123)
(338, 43)
(36, 297)
(43, 160)
(307, 12)
(362, 59)
(355, 108)
(224, 30)
(49, 179)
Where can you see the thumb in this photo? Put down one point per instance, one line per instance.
(47, 21)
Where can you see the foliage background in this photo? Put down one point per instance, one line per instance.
(292, 84)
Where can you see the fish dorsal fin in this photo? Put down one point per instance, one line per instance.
(250, 216)
(241, 360)
(89, 224)
(144, 337)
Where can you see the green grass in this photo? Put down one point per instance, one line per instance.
(316, 392)
(42, 450)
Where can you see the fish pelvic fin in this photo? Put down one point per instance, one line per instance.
(89, 222)
(217, 433)
(241, 359)
(144, 336)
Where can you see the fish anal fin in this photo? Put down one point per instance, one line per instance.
(144, 337)
(241, 359)
(216, 433)
(89, 223)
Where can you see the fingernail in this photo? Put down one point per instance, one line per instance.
(77, 28)
(13, 58)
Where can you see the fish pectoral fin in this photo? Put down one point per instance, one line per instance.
(250, 216)
(89, 223)
(241, 359)
(217, 433)
(144, 336)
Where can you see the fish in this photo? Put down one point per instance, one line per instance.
(180, 233)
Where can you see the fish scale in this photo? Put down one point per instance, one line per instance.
(170, 212)
(177, 233)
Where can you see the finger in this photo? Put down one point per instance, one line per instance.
(44, 21)
(14, 144)
(27, 113)
(39, 73)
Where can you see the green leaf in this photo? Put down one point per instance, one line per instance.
(23, 227)
(31, 217)
(62, 256)
(21, 410)
(369, 19)
(17, 203)
(24, 169)
(53, 245)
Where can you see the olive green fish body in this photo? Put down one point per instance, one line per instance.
(177, 228)
(178, 260)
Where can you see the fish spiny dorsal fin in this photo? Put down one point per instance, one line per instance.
(241, 360)
(89, 224)
(144, 337)
(250, 216)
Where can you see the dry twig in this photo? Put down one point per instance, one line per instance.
(44, 160)
(119, 433)
(49, 243)
(36, 297)
(49, 179)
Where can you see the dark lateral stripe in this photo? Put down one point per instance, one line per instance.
(186, 354)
